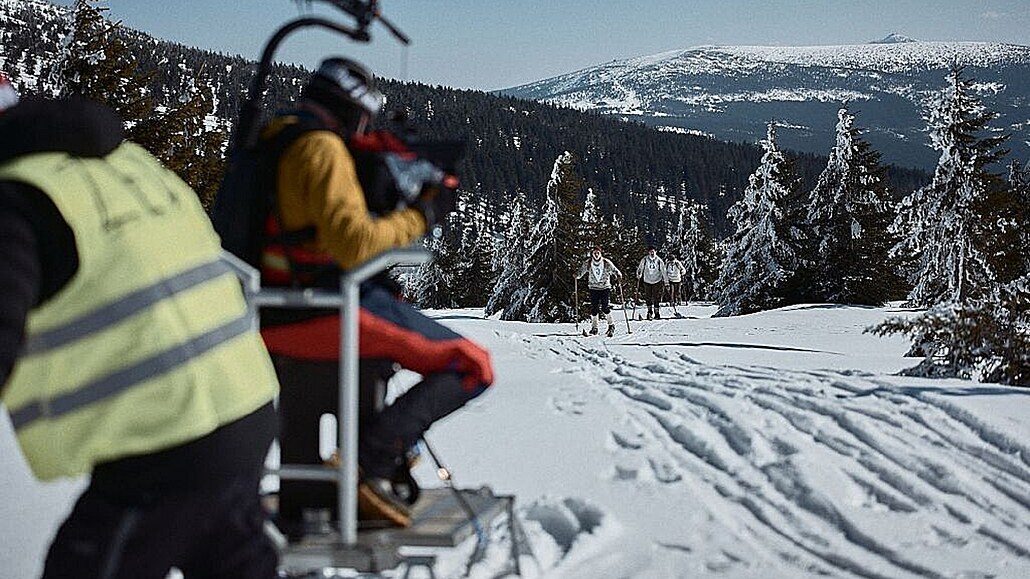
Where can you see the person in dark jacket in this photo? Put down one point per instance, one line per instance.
(126, 352)
(318, 192)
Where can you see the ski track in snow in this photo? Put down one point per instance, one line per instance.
(752, 438)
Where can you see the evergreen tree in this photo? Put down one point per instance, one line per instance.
(695, 245)
(849, 213)
(965, 225)
(432, 285)
(96, 63)
(1019, 183)
(509, 261)
(554, 247)
(597, 229)
(188, 138)
(799, 241)
(625, 252)
(474, 277)
(955, 226)
(987, 340)
(460, 274)
(1009, 339)
(760, 262)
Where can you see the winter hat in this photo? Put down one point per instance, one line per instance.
(342, 85)
(8, 96)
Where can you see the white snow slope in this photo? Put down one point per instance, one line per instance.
(774, 445)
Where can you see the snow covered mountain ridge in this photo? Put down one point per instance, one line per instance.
(895, 57)
(731, 92)
(888, 58)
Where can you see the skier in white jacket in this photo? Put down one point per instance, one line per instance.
(674, 271)
(600, 270)
(651, 272)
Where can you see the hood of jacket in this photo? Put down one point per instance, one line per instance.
(77, 126)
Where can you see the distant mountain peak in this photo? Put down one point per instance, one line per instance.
(894, 38)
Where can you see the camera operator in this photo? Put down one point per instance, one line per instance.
(322, 224)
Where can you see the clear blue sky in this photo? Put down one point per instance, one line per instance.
(491, 44)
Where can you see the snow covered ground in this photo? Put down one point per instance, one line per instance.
(774, 445)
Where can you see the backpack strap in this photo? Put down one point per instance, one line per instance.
(306, 268)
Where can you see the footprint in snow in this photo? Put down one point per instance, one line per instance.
(665, 472)
(568, 405)
(628, 441)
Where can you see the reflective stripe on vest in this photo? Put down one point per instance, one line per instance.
(113, 313)
(149, 345)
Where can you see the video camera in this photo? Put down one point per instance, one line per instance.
(396, 168)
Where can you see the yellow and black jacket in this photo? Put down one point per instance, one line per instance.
(317, 189)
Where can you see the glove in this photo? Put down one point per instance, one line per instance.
(435, 203)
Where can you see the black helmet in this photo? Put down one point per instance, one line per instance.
(346, 88)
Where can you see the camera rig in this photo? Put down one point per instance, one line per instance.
(392, 166)
(364, 13)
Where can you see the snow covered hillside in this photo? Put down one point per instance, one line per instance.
(730, 92)
(773, 445)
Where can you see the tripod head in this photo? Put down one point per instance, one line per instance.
(364, 14)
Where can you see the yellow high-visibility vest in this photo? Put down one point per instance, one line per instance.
(150, 344)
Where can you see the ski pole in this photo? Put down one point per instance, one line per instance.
(575, 299)
(625, 314)
(636, 294)
(447, 476)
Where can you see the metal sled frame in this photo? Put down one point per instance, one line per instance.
(439, 518)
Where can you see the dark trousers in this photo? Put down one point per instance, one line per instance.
(652, 295)
(204, 518)
(674, 292)
(310, 389)
(600, 301)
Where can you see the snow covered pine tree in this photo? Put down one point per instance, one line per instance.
(970, 268)
(849, 214)
(760, 260)
(552, 251)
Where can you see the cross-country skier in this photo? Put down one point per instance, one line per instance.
(600, 270)
(651, 272)
(674, 271)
